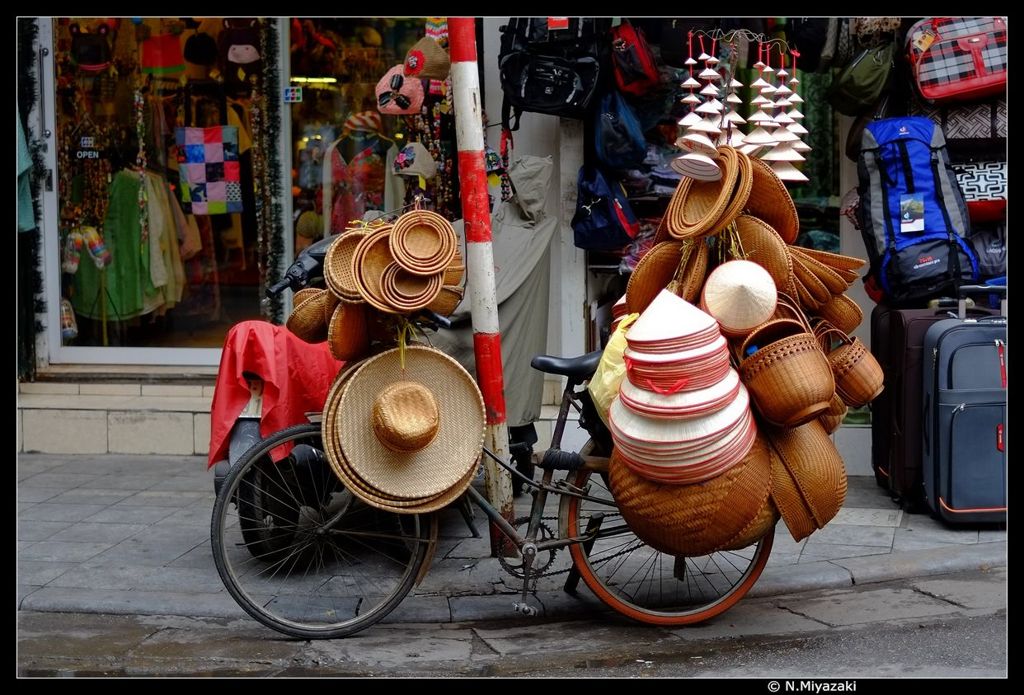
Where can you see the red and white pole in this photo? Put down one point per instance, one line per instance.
(480, 258)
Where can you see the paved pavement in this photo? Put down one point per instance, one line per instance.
(130, 535)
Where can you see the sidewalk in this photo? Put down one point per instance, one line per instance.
(130, 535)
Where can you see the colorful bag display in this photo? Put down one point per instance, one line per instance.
(958, 58)
(209, 170)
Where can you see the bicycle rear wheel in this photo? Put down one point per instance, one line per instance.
(650, 586)
(300, 553)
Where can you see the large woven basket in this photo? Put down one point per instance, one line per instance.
(814, 464)
(788, 377)
(694, 519)
(859, 378)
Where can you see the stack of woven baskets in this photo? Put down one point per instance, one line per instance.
(377, 271)
(783, 320)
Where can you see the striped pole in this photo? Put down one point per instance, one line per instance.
(480, 259)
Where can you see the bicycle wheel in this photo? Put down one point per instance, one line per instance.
(300, 553)
(650, 586)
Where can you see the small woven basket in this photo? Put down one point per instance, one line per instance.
(338, 271)
(842, 312)
(832, 418)
(447, 301)
(307, 319)
(347, 334)
(423, 242)
(859, 377)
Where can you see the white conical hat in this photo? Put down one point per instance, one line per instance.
(668, 316)
(760, 101)
(697, 166)
(758, 117)
(733, 117)
(770, 89)
(690, 82)
(689, 119)
(801, 146)
(783, 101)
(782, 72)
(703, 56)
(714, 106)
(734, 83)
(681, 404)
(759, 83)
(710, 90)
(690, 98)
(712, 60)
(787, 172)
(706, 126)
(759, 65)
(736, 139)
(783, 89)
(709, 74)
(795, 98)
(690, 61)
(795, 114)
(783, 118)
(697, 142)
(785, 135)
(784, 152)
(768, 69)
(740, 295)
(795, 127)
(759, 136)
(794, 80)
(734, 99)
(641, 431)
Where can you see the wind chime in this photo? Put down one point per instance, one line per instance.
(702, 123)
(782, 156)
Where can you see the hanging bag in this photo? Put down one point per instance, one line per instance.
(604, 220)
(958, 58)
(618, 138)
(208, 166)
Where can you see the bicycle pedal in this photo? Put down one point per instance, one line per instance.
(525, 609)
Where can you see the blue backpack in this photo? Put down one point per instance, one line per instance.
(618, 138)
(604, 221)
(912, 212)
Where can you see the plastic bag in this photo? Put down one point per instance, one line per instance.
(604, 385)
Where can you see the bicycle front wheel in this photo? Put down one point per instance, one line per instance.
(650, 586)
(300, 553)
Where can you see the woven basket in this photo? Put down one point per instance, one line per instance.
(652, 273)
(697, 206)
(814, 464)
(762, 245)
(347, 334)
(788, 500)
(307, 319)
(811, 283)
(788, 377)
(693, 519)
(770, 201)
(423, 242)
(304, 294)
(406, 292)
(758, 528)
(835, 282)
(370, 259)
(859, 378)
(338, 271)
(832, 418)
(447, 301)
(806, 300)
(842, 312)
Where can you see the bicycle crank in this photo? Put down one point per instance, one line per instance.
(541, 561)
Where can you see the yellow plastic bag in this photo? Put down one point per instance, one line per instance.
(604, 385)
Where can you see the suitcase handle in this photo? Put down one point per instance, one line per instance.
(965, 290)
(924, 423)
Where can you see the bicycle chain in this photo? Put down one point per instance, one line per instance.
(555, 573)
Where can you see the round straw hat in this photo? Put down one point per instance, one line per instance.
(371, 257)
(762, 245)
(770, 201)
(423, 242)
(814, 464)
(740, 295)
(696, 206)
(695, 519)
(445, 461)
(405, 417)
(338, 270)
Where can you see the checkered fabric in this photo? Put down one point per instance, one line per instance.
(211, 182)
(958, 57)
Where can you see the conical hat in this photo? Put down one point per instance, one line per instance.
(667, 317)
(740, 295)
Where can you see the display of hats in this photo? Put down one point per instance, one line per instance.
(347, 334)
(790, 380)
(740, 295)
(770, 201)
(694, 520)
(697, 206)
(423, 242)
(681, 404)
(815, 467)
(339, 273)
(397, 94)
(307, 320)
(427, 59)
(762, 245)
(370, 259)
(438, 466)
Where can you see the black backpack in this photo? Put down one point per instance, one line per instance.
(550, 70)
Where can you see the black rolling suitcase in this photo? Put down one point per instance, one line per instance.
(896, 414)
(964, 424)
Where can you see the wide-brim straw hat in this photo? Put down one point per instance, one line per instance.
(741, 193)
(694, 520)
(815, 466)
(347, 334)
(423, 242)
(740, 295)
(788, 500)
(338, 272)
(697, 206)
(307, 318)
(447, 459)
(762, 245)
(770, 201)
(370, 259)
(667, 319)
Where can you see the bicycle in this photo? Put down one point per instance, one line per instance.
(304, 556)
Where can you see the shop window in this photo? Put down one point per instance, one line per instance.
(344, 147)
(156, 178)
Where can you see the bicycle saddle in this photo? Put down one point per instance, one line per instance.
(574, 367)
